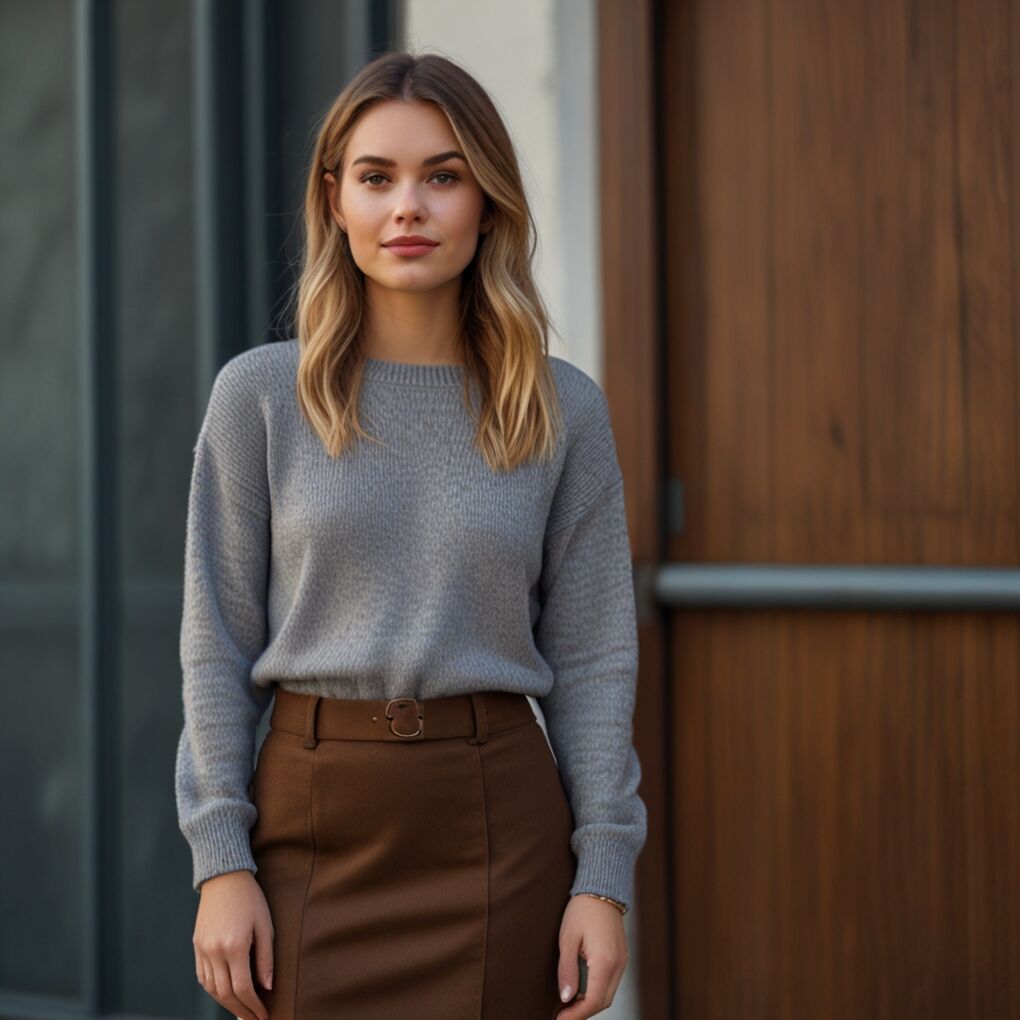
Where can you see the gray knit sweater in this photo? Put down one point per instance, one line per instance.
(408, 569)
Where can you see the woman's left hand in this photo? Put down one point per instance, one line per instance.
(593, 929)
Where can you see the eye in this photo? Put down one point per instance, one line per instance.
(367, 178)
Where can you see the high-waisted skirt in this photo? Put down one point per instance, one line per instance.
(415, 857)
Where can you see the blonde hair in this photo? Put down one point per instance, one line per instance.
(504, 324)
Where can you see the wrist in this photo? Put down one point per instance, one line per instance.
(227, 877)
(622, 907)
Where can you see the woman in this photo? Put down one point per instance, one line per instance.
(410, 843)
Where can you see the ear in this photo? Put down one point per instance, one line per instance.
(333, 197)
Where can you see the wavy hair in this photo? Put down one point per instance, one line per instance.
(503, 322)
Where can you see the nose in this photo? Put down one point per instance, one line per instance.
(409, 204)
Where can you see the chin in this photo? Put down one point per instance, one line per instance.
(413, 279)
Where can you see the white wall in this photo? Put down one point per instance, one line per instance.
(536, 58)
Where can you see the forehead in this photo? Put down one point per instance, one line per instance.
(408, 132)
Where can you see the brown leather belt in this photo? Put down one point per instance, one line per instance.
(473, 715)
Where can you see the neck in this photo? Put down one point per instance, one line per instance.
(414, 327)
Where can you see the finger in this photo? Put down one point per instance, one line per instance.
(592, 1000)
(579, 1009)
(614, 982)
(600, 970)
(225, 991)
(208, 978)
(244, 990)
(264, 953)
(567, 969)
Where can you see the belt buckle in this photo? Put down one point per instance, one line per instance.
(402, 709)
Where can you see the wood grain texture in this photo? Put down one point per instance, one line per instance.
(840, 202)
(631, 380)
(850, 834)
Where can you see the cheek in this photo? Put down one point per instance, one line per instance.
(464, 221)
(362, 213)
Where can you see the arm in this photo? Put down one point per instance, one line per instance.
(587, 632)
(223, 627)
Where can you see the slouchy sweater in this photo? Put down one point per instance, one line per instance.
(405, 568)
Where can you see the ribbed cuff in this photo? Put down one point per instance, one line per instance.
(218, 844)
(606, 865)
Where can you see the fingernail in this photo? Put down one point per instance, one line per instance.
(564, 993)
(269, 981)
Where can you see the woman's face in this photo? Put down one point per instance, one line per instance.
(393, 185)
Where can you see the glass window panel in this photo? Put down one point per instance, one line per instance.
(157, 427)
(41, 775)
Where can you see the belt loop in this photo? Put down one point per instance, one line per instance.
(481, 719)
(313, 703)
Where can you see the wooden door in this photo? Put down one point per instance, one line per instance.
(836, 218)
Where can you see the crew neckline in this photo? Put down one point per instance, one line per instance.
(406, 373)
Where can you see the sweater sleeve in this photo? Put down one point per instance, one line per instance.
(223, 626)
(587, 632)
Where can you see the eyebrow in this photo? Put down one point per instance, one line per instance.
(442, 157)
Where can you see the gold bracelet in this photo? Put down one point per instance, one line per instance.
(622, 907)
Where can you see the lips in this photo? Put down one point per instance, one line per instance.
(409, 241)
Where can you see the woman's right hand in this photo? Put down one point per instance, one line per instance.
(232, 915)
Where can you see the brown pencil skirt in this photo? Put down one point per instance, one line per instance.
(415, 857)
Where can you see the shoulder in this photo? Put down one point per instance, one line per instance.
(587, 426)
(244, 389)
(579, 394)
(258, 369)
(246, 382)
